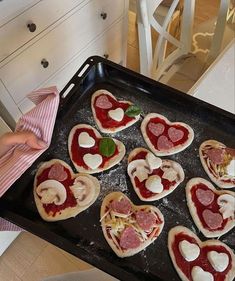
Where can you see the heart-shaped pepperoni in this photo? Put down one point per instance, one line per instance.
(128, 228)
(175, 134)
(163, 143)
(156, 129)
(56, 200)
(206, 197)
(57, 172)
(103, 102)
(210, 208)
(213, 260)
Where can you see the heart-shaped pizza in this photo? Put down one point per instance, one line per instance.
(60, 194)
(128, 228)
(111, 115)
(151, 176)
(195, 260)
(212, 210)
(218, 162)
(90, 152)
(164, 137)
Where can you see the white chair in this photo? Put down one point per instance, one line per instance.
(155, 62)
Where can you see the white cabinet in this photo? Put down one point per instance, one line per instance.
(63, 33)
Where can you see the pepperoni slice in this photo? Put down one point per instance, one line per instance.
(145, 220)
(163, 143)
(175, 134)
(103, 102)
(156, 129)
(129, 238)
(216, 155)
(122, 206)
(57, 172)
(213, 220)
(205, 197)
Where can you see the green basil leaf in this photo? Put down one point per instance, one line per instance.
(133, 110)
(107, 147)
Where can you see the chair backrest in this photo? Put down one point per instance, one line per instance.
(157, 61)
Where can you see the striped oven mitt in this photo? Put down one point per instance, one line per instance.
(40, 120)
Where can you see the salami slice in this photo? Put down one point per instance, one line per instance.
(213, 220)
(205, 197)
(163, 143)
(156, 129)
(145, 220)
(122, 206)
(175, 134)
(215, 155)
(103, 102)
(129, 239)
(57, 172)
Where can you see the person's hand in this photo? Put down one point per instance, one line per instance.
(10, 139)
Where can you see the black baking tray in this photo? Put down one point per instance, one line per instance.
(82, 236)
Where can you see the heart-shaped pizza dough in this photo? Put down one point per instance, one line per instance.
(109, 113)
(218, 162)
(164, 137)
(88, 159)
(128, 228)
(60, 194)
(212, 210)
(212, 261)
(152, 177)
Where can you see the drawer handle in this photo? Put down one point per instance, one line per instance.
(106, 56)
(103, 15)
(44, 63)
(32, 27)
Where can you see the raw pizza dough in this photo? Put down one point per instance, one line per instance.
(218, 162)
(56, 186)
(164, 137)
(113, 112)
(128, 228)
(210, 260)
(152, 177)
(212, 210)
(93, 150)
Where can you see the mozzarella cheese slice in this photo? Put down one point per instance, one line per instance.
(93, 161)
(116, 114)
(153, 184)
(188, 250)
(231, 168)
(84, 140)
(219, 261)
(198, 274)
(153, 161)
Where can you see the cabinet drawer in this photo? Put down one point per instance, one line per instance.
(20, 30)
(108, 44)
(25, 72)
(11, 8)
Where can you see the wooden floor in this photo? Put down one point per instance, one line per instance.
(30, 258)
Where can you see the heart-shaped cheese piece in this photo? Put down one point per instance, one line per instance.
(128, 228)
(198, 274)
(84, 140)
(153, 161)
(212, 210)
(93, 161)
(227, 205)
(219, 261)
(58, 201)
(153, 183)
(189, 250)
(116, 114)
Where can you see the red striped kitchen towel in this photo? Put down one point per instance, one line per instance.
(40, 120)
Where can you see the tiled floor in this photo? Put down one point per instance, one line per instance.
(30, 258)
